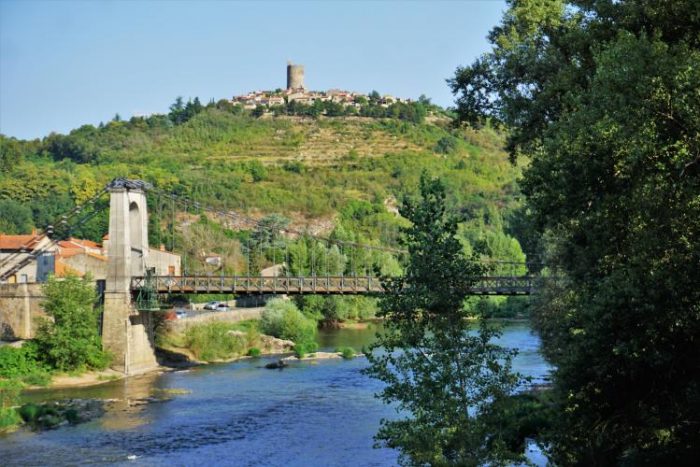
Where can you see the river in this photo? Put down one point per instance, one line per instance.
(312, 414)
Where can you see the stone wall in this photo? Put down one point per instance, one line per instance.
(20, 306)
(87, 263)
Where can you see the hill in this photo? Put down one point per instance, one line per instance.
(341, 176)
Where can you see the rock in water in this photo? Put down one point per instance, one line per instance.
(278, 365)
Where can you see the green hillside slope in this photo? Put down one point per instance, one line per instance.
(334, 176)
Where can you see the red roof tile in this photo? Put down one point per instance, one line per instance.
(17, 242)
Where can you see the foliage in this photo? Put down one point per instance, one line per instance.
(15, 218)
(334, 309)
(70, 341)
(446, 145)
(348, 353)
(333, 176)
(9, 397)
(218, 341)
(603, 98)
(282, 319)
(254, 352)
(447, 381)
(23, 364)
(10, 153)
(343, 171)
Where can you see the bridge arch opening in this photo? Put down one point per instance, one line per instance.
(135, 227)
(136, 239)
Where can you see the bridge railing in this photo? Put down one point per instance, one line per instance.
(293, 285)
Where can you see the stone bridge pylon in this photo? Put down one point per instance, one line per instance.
(127, 333)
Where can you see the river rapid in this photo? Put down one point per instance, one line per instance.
(314, 413)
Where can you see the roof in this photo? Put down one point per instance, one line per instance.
(18, 242)
(78, 243)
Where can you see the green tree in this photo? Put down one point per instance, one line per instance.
(10, 153)
(448, 380)
(70, 341)
(268, 232)
(177, 111)
(603, 98)
(15, 218)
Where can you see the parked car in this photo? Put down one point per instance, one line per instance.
(179, 314)
(223, 307)
(212, 305)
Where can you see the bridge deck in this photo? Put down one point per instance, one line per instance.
(328, 285)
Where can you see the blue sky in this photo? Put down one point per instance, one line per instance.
(67, 63)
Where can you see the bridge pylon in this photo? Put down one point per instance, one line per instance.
(127, 333)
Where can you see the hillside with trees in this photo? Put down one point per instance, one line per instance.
(339, 176)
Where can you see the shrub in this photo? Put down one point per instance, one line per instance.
(9, 396)
(301, 349)
(254, 352)
(272, 317)
(347, 353)
(23, 364)
(215, 341)
(281, 318)
(446, 145)
(29, 412)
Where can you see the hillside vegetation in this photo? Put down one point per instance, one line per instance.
(340, 176)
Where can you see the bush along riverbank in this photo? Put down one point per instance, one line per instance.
(282, 329)
(216, 341)
(67, 343)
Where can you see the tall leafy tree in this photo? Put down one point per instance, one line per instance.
(71, 340)
(446, 380)
(10, 153)
(603, 97)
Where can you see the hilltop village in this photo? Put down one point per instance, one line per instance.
(297, 92)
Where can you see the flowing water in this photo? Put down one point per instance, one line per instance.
(310, 414)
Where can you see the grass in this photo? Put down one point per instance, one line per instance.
(9, 398)
(9, 419)
(214, 341)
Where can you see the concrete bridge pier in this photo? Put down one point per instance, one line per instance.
(127, 333)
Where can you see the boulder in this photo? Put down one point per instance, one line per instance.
(278, 365)
(271, 344)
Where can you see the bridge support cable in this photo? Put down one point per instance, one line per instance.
(351, 248)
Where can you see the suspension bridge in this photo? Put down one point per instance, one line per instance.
(331, 267)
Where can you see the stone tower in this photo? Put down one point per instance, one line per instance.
(127, 333)
(295, 76)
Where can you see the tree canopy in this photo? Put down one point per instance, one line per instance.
(448, 381)
(602, 97)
